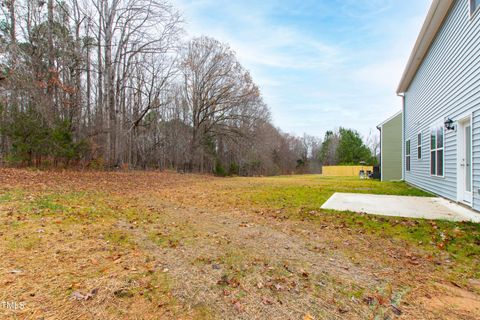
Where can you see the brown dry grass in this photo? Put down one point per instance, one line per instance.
(169, 246)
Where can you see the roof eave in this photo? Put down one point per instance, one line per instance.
(389, 119)
(435, 18)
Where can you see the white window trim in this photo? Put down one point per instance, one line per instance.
(464, 117)
(419, 146)
(436, 125)
(409, 155)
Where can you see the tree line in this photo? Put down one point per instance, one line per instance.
(114, 83)
(346, 147)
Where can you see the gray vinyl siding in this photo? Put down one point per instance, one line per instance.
(447, 84)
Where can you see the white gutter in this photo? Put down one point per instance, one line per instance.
(403, 134)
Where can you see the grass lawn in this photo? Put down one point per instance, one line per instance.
(146, 245)
(299, 198)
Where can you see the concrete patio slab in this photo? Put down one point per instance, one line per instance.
(401, 206)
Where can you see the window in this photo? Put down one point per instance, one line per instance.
(474, 5)
(419, 146)
(436, 151)
(407, 155)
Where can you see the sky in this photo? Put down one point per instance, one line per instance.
(320, 64)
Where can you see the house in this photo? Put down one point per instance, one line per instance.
(391, 148)
(441, 104)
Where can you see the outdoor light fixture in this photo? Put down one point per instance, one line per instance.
(449, 124)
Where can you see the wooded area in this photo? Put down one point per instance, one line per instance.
(114, 84)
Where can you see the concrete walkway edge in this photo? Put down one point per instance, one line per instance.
(401, 206)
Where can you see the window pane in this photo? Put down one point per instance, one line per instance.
(432, 163)
(440, 137)
(407, 148)
(475, 5)
(419, 152)
(419, 138)
(440, 163)
(433, 143)
(408, 163)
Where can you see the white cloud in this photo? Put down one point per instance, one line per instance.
(320, 64)
(256, 41)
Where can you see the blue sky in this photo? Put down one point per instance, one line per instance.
(320, 64)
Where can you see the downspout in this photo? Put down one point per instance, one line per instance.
(381, 152)
(402, 95)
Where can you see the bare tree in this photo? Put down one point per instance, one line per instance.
(219, 93)
(110, 82)
(373, 142)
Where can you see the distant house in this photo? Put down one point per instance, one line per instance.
(391, 148)
(441, 103)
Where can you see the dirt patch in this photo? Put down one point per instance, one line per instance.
(243, 269)
(452, 302)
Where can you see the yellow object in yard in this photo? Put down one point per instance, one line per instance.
(345, 171)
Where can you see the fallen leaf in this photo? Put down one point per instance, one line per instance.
(395, 310)
(123, 293)
(413, 262)
(239, 307)
(16, 271)
(223, 281)
(80, 296)
(287, 268)
(342, 310)
(304, 273)
(233, 282)
(369, 300)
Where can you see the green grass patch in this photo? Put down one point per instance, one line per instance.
(461, 240)
(300, 198)
(172, 235)
(6, 197)
(12, 195)
(203, 312)
(314, 191)
(27, 242)
(165, 240)
(48, 204)
(236, 262)
(70, 207)
(119, 238)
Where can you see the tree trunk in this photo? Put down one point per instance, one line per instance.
(88, 101)
(51, 59)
